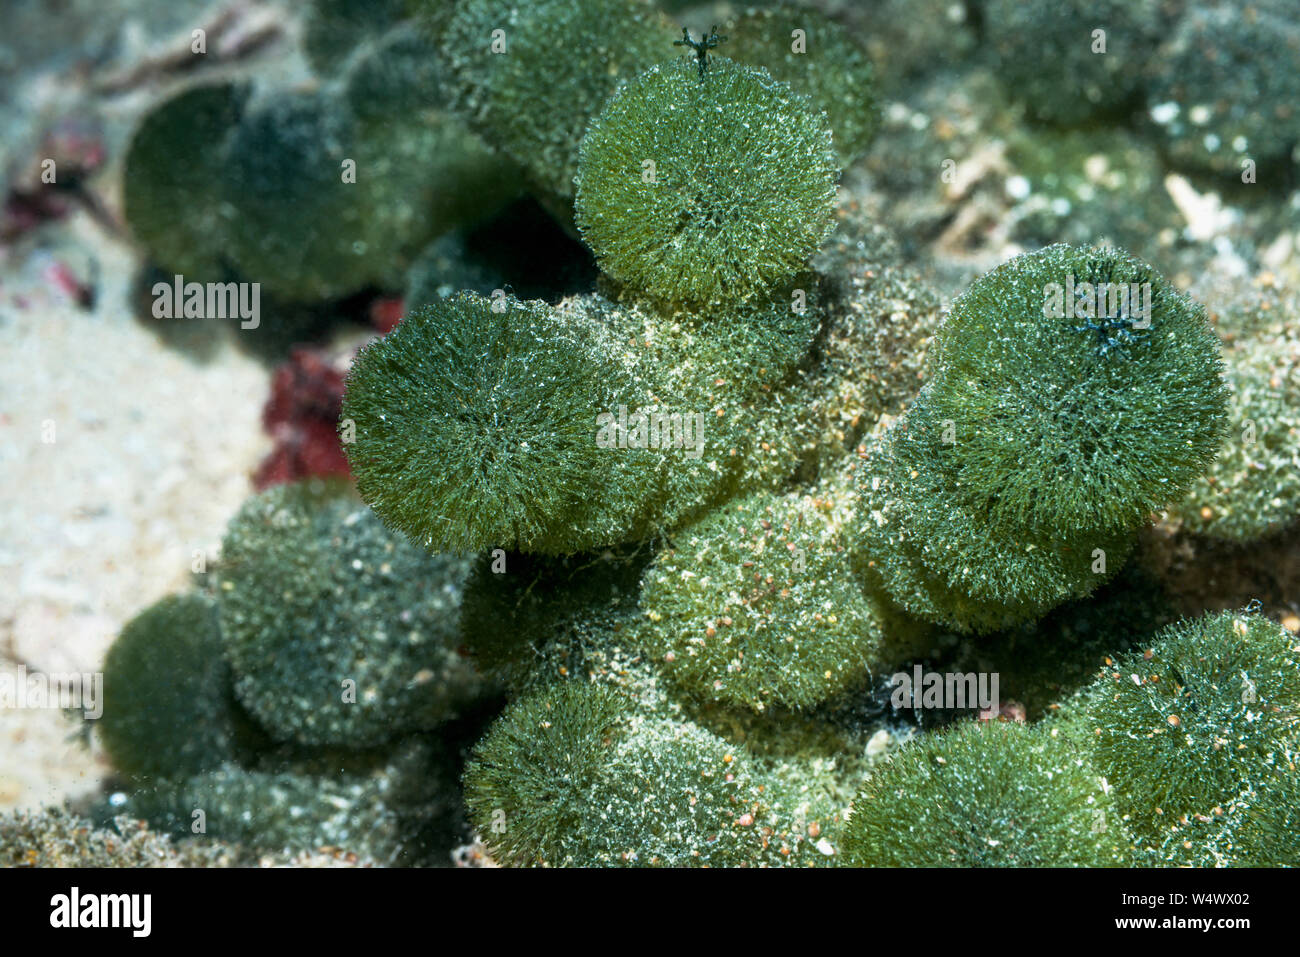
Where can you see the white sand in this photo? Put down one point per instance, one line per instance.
(150, 456)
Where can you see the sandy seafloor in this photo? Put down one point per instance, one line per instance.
(154, 445)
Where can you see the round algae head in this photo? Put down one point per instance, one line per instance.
(985, 795)
(569, 776)
(1207, 711)
(757, 605)
(168, 709)
(535, 771)
(714, 376)
(927, 540)
(700, 190)
(321, 200)
(296, 225)
(476, 428)
(339, 632)
(174, 167)
(1079, 388)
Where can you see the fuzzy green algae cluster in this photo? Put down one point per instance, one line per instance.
(317, 193)
(1052, 424)
(303, 696)
(668, 214)
(1182, 753)
(630, 572)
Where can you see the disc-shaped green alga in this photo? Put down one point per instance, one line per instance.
(705, 188)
